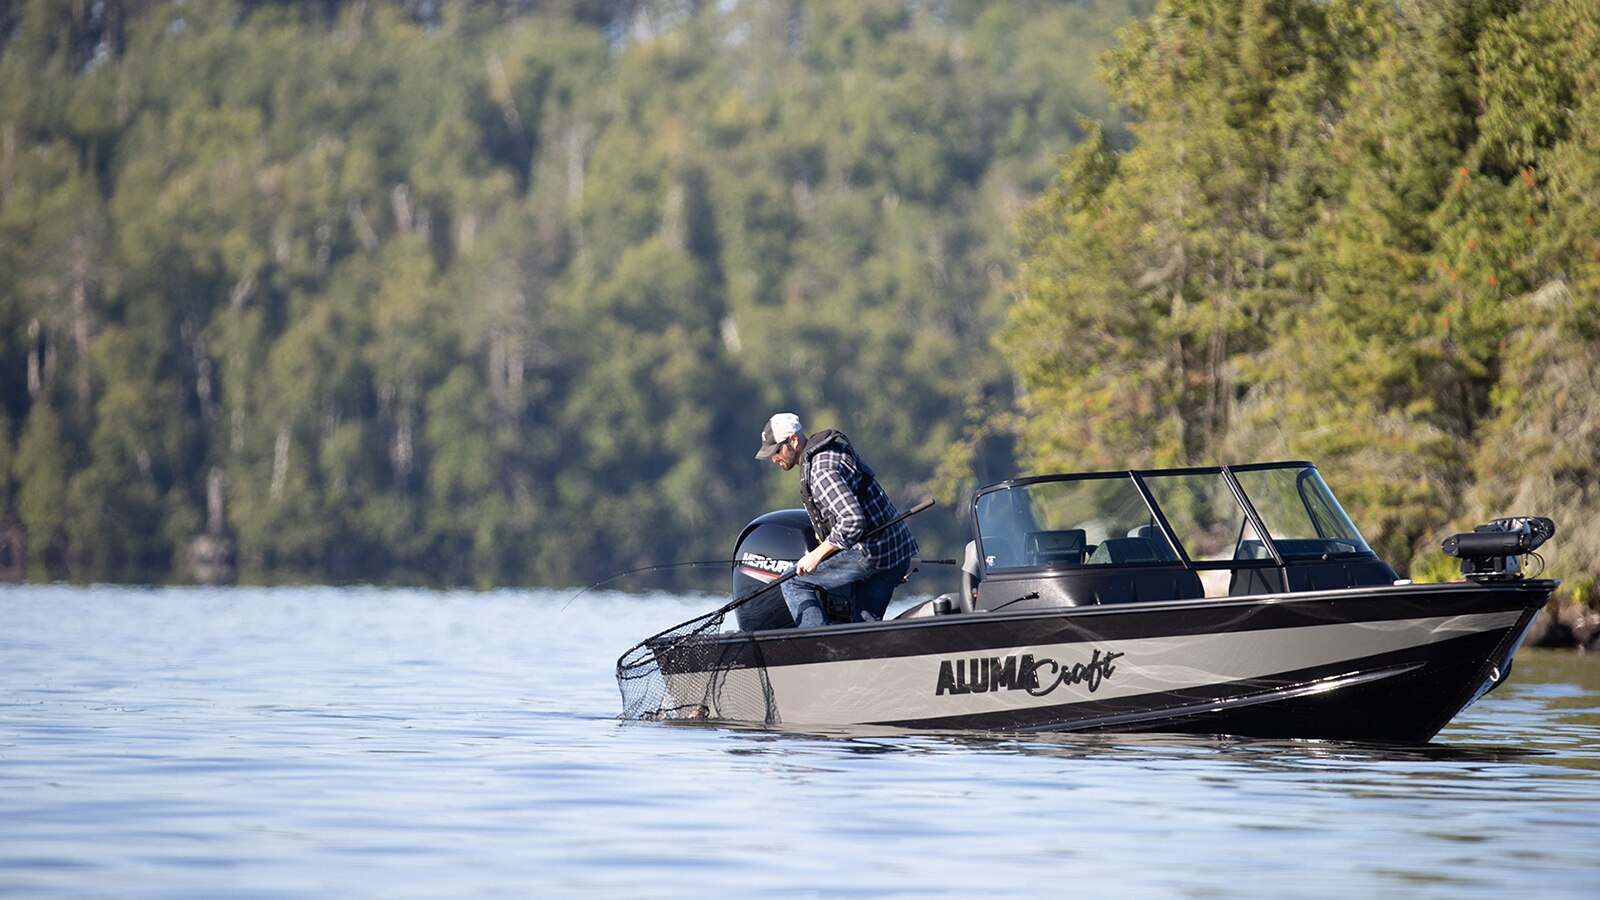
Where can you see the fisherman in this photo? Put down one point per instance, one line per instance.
(845, 502)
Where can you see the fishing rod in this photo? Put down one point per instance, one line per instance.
(791, 573)
(643, 569)
(731, 562)
(637, 661)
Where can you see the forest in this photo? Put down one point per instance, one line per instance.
(500, 293)
(1361, 233)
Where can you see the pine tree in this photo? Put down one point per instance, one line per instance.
(1154, 274)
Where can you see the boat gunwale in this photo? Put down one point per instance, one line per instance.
(1282, 598)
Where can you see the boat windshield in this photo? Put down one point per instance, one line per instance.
(1205, 516)
(1099, 520)
(1104, 519)
(1300, 513)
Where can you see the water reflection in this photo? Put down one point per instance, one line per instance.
(869, 740)
(1545, 717)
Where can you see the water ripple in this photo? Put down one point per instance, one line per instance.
(311, 742)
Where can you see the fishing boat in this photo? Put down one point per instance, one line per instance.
(1234, 600)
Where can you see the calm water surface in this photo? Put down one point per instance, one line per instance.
(383, 743)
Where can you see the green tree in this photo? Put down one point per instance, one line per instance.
(1152, 275)
(1540, 139)
(1430, 246)
(41, 472)
(467, 292)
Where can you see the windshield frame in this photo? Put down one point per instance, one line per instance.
(1277, 549)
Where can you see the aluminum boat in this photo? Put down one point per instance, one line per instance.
(1220, 600)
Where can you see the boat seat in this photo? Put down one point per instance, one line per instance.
(1054, 548)
(970, 576)
(1251, 550)
(1151, 533)
(1247, 580)
(999, 553)
(1125, 550)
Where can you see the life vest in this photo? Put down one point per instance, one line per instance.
(821, 521)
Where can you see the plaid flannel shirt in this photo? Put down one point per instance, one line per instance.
(838, 488)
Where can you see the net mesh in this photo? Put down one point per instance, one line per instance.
(696, 670)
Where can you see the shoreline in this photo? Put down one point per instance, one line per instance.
(1565, 625)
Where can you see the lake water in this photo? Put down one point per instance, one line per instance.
(391, 743)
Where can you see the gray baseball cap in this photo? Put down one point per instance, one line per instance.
(779, 428)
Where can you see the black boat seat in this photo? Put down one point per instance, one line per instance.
(1164, 551)
(1000, 553)
(1062, 547)
(1253, 579)
(1125, 550)
(1251, 550)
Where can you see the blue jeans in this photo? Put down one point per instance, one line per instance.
(844, 574)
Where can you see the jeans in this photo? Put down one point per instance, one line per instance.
(844, 574)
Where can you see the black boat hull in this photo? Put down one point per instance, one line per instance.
(1390, 663)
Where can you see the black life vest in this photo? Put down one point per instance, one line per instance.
(821, 521)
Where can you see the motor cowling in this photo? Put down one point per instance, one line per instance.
(768, 545)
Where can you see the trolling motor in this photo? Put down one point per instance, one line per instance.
(1494, 551)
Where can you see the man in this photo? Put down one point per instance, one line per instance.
(845, 503)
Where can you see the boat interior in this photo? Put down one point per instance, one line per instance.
(1169, 534)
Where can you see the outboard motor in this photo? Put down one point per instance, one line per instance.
(766, 547)
(1493, 551)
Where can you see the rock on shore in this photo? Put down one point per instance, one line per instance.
(1563, 623)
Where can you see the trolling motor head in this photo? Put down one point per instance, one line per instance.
(1493, 551)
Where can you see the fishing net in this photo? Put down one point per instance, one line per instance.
(696, 670)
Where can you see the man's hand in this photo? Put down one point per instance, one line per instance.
(814, 557)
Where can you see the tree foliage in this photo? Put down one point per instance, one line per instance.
(498, 293)
(1361, 233)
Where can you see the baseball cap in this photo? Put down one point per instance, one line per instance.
(779, 428)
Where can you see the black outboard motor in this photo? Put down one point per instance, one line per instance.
(1494, 551)
(767, 547)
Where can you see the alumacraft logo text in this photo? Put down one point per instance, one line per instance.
(1022, 673)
